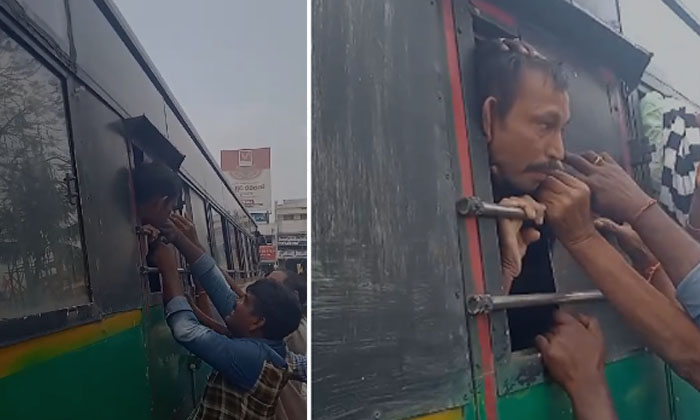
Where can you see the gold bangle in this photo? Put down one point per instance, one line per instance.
(651, 271)
(642, 210)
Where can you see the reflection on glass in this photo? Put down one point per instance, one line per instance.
(235, 250)
(41, 257)
(199, 219)
(219, 243)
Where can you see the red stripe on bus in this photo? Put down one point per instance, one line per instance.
(496, 13)
(460, 121)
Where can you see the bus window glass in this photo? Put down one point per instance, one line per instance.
(199, 219)
(219, 241)
(235, 248)
(41, 257)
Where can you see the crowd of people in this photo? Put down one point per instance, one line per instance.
(573, 199)
(254, 337)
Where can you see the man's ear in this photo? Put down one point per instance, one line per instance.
(488, 117)
(257, 325)
(162, 202)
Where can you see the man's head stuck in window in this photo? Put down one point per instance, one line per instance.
(157, 190)
(268, 310)
(525, 108)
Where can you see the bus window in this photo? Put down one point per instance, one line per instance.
(41, 254)
(199, 219)
(246, 255)
(235, 248)
(218, 239)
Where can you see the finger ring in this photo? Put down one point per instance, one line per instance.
(598, 160)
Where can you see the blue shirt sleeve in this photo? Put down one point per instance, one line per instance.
(240, 361)
(210, 277)
(688, 294)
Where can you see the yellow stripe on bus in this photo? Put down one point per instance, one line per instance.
(455, 414)
(36, 350)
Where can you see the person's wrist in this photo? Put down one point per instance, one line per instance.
(579, 236)
(585, 387)
(643, 262)
(178, 238)
(636, 205)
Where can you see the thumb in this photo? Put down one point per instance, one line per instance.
(542, 344)
(530, 235)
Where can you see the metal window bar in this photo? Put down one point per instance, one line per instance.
(476, 207)
(150, 270)
(480, 304)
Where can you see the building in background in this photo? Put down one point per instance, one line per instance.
(249, 171)
(290, 221)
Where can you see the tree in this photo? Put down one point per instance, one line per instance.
(39, 229)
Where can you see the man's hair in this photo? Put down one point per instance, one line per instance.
(278, 305)
(500, 69)
(296, 283)
(155, 180)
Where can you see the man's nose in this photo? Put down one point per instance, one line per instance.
(555, 147)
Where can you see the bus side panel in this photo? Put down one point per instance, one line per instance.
(169, 370)
(686, 399)
(389, 327)
(105, 380)
(634, 384)
(102, 161)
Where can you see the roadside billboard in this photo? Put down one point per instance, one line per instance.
(267, 253)
(250, 171)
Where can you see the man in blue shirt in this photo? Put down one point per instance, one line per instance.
(251, 368)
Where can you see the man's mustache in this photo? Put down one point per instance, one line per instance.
(545, 167)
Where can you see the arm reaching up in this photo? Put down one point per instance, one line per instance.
(666, 328)
(574, 354)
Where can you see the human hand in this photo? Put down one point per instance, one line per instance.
(615, 194)
(171, 232)
(630, 242)
(574, 352)
(514, 240)
(568, 207)
(519, 46)
(186, 226)
(150, 232)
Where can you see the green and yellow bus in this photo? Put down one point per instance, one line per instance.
(82, 333)
(408, 317)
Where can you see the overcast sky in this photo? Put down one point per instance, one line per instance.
(238, 68)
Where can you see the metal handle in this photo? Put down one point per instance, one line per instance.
(480, 304)
(476, 207)
(149, 270)
(71, 195)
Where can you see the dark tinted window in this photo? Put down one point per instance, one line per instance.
(41, 256)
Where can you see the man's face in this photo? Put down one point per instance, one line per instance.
(157, 211)
(243, 322)
(525, 144)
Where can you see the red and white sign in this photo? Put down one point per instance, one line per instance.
(250, 170)
(267, 253)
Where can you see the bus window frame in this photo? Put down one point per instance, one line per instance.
(235, 254)
(515, 370)
(13, 330)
